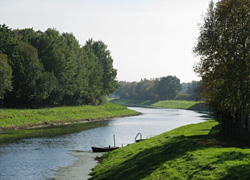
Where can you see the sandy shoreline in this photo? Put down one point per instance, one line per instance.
(80, 169)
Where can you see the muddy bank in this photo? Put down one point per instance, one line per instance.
(80, 169)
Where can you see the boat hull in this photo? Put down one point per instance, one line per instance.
(103, 149)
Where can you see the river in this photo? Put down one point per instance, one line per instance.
(40, 157)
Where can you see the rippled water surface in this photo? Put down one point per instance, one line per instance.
(39, 158)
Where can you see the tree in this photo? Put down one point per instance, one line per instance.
(7, 41)
(5, 76)
(29, 87)
(194, 90)
(60, 55)
(153, 89)
(127, 90)
(146, 89)
(75, 69)
(27, 35)
(7, 52)
(94, 94)
(103, 55)
(52, 69)
(168, 87)
(224, 46)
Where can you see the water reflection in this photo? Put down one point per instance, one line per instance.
(38, 158)
(15, 135)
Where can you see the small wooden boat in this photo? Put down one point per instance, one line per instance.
(103, 149)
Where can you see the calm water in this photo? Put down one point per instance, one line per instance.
(39, 158)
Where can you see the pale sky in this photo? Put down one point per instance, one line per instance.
(147, 38)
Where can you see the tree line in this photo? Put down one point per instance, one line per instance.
(224, 48)
(164, 88)
(39, 69)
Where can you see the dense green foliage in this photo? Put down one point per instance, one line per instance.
(173, 104)
(165, 88)
(23, 118)
(224, 46)
(51, 69)
(6, 76)
(188, 152)
(190, 91)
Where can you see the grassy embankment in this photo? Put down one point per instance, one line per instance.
(175, 104)
(196, 151)
(25, 118)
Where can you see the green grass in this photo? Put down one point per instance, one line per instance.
(188, 152)
(175, 104)
(13, 118)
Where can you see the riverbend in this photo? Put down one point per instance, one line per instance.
(41, 157)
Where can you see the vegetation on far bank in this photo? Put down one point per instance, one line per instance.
(163, 88)
(196, 151)
(47, 69)
(24, 118)
(175, 104)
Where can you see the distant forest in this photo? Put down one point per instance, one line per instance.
(164, 88)
(41, 69)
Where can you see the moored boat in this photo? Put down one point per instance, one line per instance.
(103, 149)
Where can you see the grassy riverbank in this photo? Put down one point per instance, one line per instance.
(25, 118)
(196, 151)
(175, 104)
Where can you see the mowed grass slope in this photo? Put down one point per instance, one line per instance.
(188, 152)
(174, 104)
(22, 118)
(177, 104)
